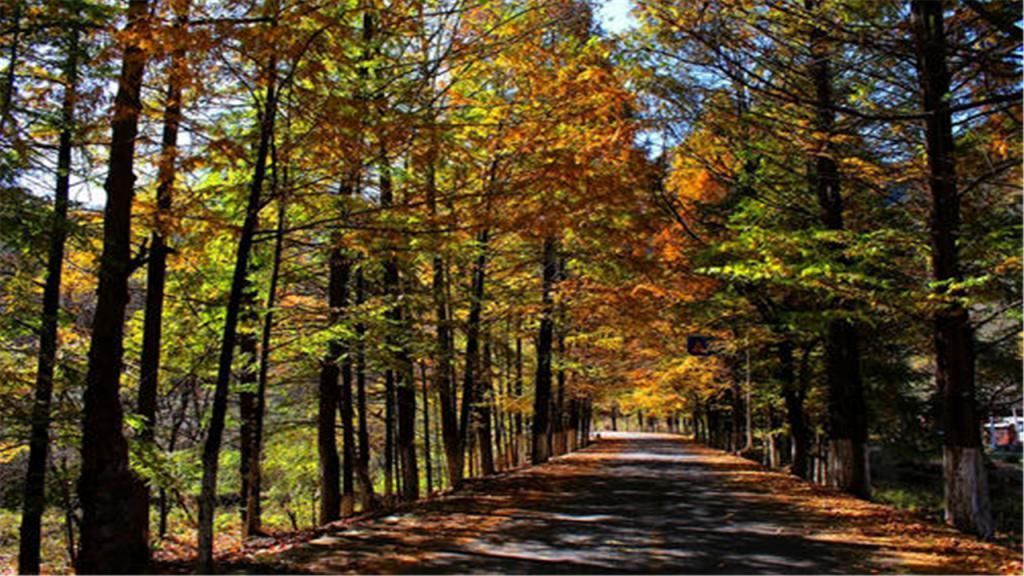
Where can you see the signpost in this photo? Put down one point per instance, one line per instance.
(699, 345)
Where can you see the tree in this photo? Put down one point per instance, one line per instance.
(113, 538)
(239, 281)
(966, 484)
(35, 478)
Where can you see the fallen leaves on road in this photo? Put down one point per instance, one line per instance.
(911, 543)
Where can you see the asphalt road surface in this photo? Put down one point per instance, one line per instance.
(628, 503)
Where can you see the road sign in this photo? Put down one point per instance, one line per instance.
(699, 345)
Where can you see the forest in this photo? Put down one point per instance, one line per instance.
(266, 265)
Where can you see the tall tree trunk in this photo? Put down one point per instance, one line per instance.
(444, 378)
(471, 388)
(400, 388)
(39, 441)
(793, 393)
(847, 408)
(248, 377)
(215, 430)
(405, 400)
(520, 440)
(345, 409)
(156, 272)
(253, 525)
(736, 417)
(748, 444)
(485, 396)
(558, 406)
(114, 535)
(362, 468)
(327, 449)
(347, 425)
(427, 456)
(967, 502)
(542, 386)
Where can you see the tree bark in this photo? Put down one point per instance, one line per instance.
(541, 432)
(347, 424)
(156, 272)
(113, 529)
(39, 440)
(520, 440)
(327, 449)
(558, 406)
(794, 392)
(847, 408)
(405, 397)
(215, 431)
(253, 525)
(343, 269)
(967, 500)
(362, 468)
(427, 456)
(485, 396)
(248, 348)
(472, 377)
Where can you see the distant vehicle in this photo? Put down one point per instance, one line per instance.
(1005, 433)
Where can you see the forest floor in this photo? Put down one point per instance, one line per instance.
(636, 503)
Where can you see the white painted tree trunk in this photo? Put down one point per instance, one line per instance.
(966, 484)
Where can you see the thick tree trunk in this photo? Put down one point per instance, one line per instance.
(847, 408)
(114, 527)
(967, 503)
(215, 430)
(542, 386)
(39, 441)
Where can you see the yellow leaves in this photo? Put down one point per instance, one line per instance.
(693, 183)
(10, 450)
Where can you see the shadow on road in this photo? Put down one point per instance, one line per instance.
(628, 503)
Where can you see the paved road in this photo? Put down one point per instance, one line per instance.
(628, 503)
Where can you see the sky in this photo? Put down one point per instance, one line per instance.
(614, 15)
